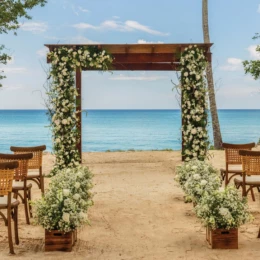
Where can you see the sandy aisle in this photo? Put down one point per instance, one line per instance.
(139, 213)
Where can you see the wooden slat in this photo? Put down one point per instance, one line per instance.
(145, 57)
(143, 66)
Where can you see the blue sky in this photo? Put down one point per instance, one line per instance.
(232, 25)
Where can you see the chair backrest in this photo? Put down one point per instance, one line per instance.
(232, 152)
(6, 176)
(250, 162)
(37, 151)
(22, 170)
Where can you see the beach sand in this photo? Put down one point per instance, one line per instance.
(139, 213)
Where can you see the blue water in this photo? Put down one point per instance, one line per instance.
(123, 129)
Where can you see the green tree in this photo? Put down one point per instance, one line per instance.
(10, 13)
(253, 66)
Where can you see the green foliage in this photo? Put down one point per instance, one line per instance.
(223, 209)
(253, 66)
(194, 103)
(10, 12)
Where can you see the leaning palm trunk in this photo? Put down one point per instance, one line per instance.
(212, 100)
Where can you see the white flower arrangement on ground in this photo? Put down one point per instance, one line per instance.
(197, 177)
(194, 103)
(65, 204)
(62, 95)
(223, 209)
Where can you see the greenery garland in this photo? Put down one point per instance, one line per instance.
(62, 95)
(194, 103)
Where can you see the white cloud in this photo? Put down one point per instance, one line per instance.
(34, 27)
(120, 26)
(11, 87)
(83, 9)
(116, 17)
(258, 9)
(138, 78)
(13, 70)
(233, 64)
(42, 52)
(141, 41)
(80, 40)
(253, 53)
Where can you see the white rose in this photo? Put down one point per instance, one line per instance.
(77, 185)
(203, 182)
(196, 176)
(76, 196)
(66, 192)
(64, 121)
(186, 74)
(194, 131)
(66, 217)
(197, 77)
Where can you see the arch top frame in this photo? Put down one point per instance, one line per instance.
(134, 57)
(143, 57)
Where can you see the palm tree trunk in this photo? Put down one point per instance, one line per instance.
(212, 100)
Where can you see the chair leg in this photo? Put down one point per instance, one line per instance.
(252, 193)
(26, 207)
(29, 202)
(258, 233)
(10, 241)
(42, 181)
(16, 225)
(226, 179)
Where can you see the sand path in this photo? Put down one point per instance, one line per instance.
(139, 213)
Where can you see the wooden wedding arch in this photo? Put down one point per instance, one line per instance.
(134, 57)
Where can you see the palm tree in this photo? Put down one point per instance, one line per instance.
(212, 100)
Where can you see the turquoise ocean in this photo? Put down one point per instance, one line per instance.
(123, 129)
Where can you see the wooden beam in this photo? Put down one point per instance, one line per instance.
(142, 66)
(79, 110)
(145, 57)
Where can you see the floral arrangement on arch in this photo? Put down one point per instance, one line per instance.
(197, 177)
(62, 95)
(194, 103)
(223, 209)
(65, 204)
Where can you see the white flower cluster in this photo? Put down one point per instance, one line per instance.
(223, 209)
(215, 206)
(194, 103)
(197, 177)
(62, 99)
(64, 206)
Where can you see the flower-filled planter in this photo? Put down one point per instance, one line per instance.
(222, 212)
(64, 207)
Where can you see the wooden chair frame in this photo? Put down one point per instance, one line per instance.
(232, 157)
(34, 163)
(20, 175)
(6, 181)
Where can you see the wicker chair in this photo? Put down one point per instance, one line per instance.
(20, 180)
(233, 160)
(6, 201)
(251, 172)
(35, 164)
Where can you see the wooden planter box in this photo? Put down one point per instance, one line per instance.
(56, 240)
(222, 238)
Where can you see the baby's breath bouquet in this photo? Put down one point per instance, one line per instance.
(223, 209)
(204, 179)
(65, 204)
(195, 177)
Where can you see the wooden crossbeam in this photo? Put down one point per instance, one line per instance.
(142, 66)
